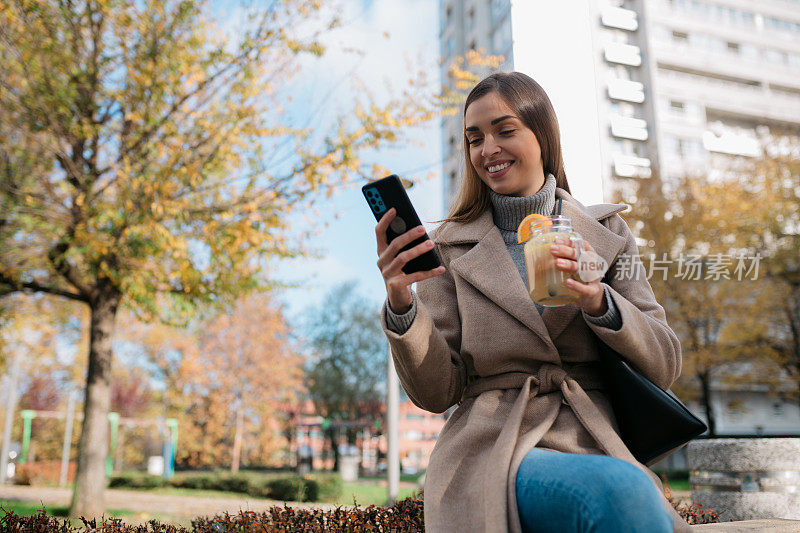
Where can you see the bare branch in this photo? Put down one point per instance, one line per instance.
(8, 285)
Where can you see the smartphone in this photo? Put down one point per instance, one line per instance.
(387, 193)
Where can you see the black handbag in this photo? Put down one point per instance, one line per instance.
(653, 423)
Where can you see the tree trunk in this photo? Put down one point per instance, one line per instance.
(90, 481)
(705, 384)
(237, 439)
(331, 433)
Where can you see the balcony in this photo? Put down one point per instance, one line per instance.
(629, 91)
(629, 128)
(631, 166)
(617, 17)
(724, 64)
(731, 97)
(731, 143)
(624, 54)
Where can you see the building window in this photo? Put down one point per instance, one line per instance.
(733, 47)
(775, 56)
(470, 19)
(676, 106)
(473, 46)
(777, 409)
(680, 36)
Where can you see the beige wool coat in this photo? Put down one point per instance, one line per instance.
(520, 379)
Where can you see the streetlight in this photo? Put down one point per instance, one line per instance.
(393, 416)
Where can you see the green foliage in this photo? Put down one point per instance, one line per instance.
(289, 488)
(240, 483)
(330, 486)
(347, 372)
(137, 481)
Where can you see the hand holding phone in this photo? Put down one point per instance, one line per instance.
(405, 253)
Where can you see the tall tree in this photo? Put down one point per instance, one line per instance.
(729, 247)
(249, 362)
(145, 160)
(346, 373)
(225, 378)
(765, 202)
(682, 238)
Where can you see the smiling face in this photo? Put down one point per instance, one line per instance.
(504, 152)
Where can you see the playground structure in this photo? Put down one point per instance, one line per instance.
(168, 427)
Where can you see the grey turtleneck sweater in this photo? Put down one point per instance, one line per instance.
(507, 213)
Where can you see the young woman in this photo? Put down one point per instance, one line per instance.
(532, 445)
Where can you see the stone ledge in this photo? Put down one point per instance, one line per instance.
(775, 525)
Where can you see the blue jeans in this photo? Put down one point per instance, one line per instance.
(566, 492)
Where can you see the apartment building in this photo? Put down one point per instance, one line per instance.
(675, 83)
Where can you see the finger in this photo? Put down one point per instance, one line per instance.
(406, 238)
(584, 289)
(588, 247)
(404, 257)
(383, 224)
(425, 274)
(566, 265)
(388, 254)
(560, 250)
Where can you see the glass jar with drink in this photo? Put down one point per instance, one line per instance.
(545, 280)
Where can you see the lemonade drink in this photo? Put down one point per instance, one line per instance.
(546, 281)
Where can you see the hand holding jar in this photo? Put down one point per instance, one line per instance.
(562, 267)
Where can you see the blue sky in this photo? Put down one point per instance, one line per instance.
(391, 34)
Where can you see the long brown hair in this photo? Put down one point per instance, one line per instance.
(532, 105)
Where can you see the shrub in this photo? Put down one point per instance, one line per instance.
(695, 513)
(190, 482)
(42, 472)
(231, 483)
(330, 486)
(135, 480)
(287, 488)
(224, 482)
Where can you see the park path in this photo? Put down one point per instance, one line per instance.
(150, 503)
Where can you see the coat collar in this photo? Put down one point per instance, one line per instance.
(489, 267)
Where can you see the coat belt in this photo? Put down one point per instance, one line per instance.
(548, 378)
(572, 381)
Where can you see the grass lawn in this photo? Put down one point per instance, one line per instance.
(679, 484)
(368, 494)
(365, 493)
(28, 508)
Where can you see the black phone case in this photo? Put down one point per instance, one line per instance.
(386, 193)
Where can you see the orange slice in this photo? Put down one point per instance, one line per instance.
(524, 229)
